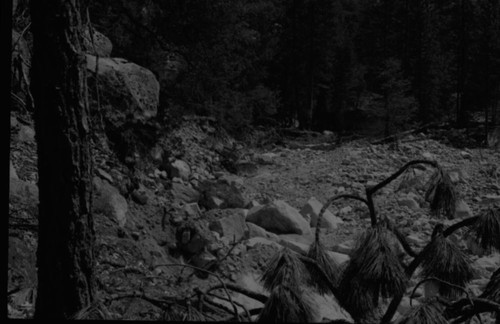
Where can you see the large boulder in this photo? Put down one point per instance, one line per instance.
(232, 227)
(311, 210)
(97, 44)
(129, 93)
(221, 195)
(279, 217)
(408, 202)
(184, 193)
(109, 201)
(257, 231)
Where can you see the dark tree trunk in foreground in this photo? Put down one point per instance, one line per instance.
(66, 235)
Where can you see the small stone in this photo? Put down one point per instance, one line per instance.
(454, 176)
(231, 180)
(465, 155)
(489, 263)
(254, 241)
(177, 220)
(428, 156)
(192, 210)
(13, 173)
(135, 235)
(267, 158)
(140, 196)
(415, 239)
(180, 169)
(462, 210)
(160, 174)
(345, 247)
(184, 193)
(345, 210)
(202, 259)
(214, 247)
(214, 202)
(408, 202)
(156, 154)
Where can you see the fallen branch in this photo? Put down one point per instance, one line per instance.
(161, 303)
(443, 282)
(254, 295)
(329, 202)
(212, 265)
(408, 132)
(206, 271)
(466, 310)
(236, 303)
(254, 311)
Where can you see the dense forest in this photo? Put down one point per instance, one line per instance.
(319, 64)
(255, 160)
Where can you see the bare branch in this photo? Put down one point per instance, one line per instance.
(206, 271)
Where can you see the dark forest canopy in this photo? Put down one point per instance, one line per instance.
(321, 63)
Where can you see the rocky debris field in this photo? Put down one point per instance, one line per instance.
(200, 199)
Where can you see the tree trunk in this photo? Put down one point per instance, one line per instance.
(65, 253)
(461, 115)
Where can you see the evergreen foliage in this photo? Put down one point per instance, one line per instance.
(486, 231)
(317, 252)
(429, 312)
(441, 194)
(318, 64)
(375, 269)
(445, 261)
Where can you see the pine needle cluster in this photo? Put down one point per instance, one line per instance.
(486, 230)
(441, 194)
(444, 260)
(288, 302)
(492, 290)
(285, 268)
(429, 312)
(318, 253)
(287, 305)
(374, 271)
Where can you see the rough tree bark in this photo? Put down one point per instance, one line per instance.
(66, 234)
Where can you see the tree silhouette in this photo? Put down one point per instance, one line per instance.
(66, 235)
